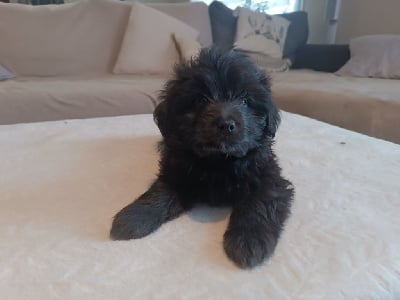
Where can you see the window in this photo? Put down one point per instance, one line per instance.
(267, 6)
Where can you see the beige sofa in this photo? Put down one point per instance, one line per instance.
(64, 55)
(64, 71)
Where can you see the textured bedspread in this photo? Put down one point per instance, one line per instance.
(62, 182)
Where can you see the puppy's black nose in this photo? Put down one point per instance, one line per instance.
(227, 126)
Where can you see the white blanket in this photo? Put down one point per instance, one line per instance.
(62, 182)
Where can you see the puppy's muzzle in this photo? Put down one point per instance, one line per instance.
(226, 119)
(227, 126)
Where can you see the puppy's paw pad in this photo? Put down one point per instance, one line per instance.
(248, 249)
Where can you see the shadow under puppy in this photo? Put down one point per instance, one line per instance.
(218, 121)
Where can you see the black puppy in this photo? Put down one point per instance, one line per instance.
(218, 121)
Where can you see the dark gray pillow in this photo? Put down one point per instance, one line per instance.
(297, 34)
(223, 24)
(223, 27)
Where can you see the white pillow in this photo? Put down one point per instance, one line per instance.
(261, 33)
(373, 56)
(147, 46)
(187, 48)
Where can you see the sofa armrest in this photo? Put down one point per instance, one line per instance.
(322, 57)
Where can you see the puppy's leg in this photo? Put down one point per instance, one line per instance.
(255, 226)
(140, 218)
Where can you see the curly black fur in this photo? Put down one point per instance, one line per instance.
(218, 121)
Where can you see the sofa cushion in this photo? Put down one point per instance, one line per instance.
(187, 48)
(33, 99)
(195, 14)
(48, 40)
(374, 56)
(148, 47)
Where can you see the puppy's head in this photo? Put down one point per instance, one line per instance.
(217, 104)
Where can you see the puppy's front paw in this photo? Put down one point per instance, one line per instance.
(248, 248)
(134, 222)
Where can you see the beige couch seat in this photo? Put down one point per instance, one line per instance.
(33, 99)
(369, 106)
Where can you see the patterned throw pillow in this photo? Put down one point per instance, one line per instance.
(259, 32)
(262, 37)
(223, 26)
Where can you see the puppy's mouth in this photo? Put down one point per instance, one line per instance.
(222, 149)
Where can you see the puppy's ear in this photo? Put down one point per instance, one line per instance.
(273, 120)
(273, 116)
(160, 117)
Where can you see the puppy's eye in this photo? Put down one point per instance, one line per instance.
(244, 101)
(203, 100)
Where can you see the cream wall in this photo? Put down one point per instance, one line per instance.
(361, 17)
